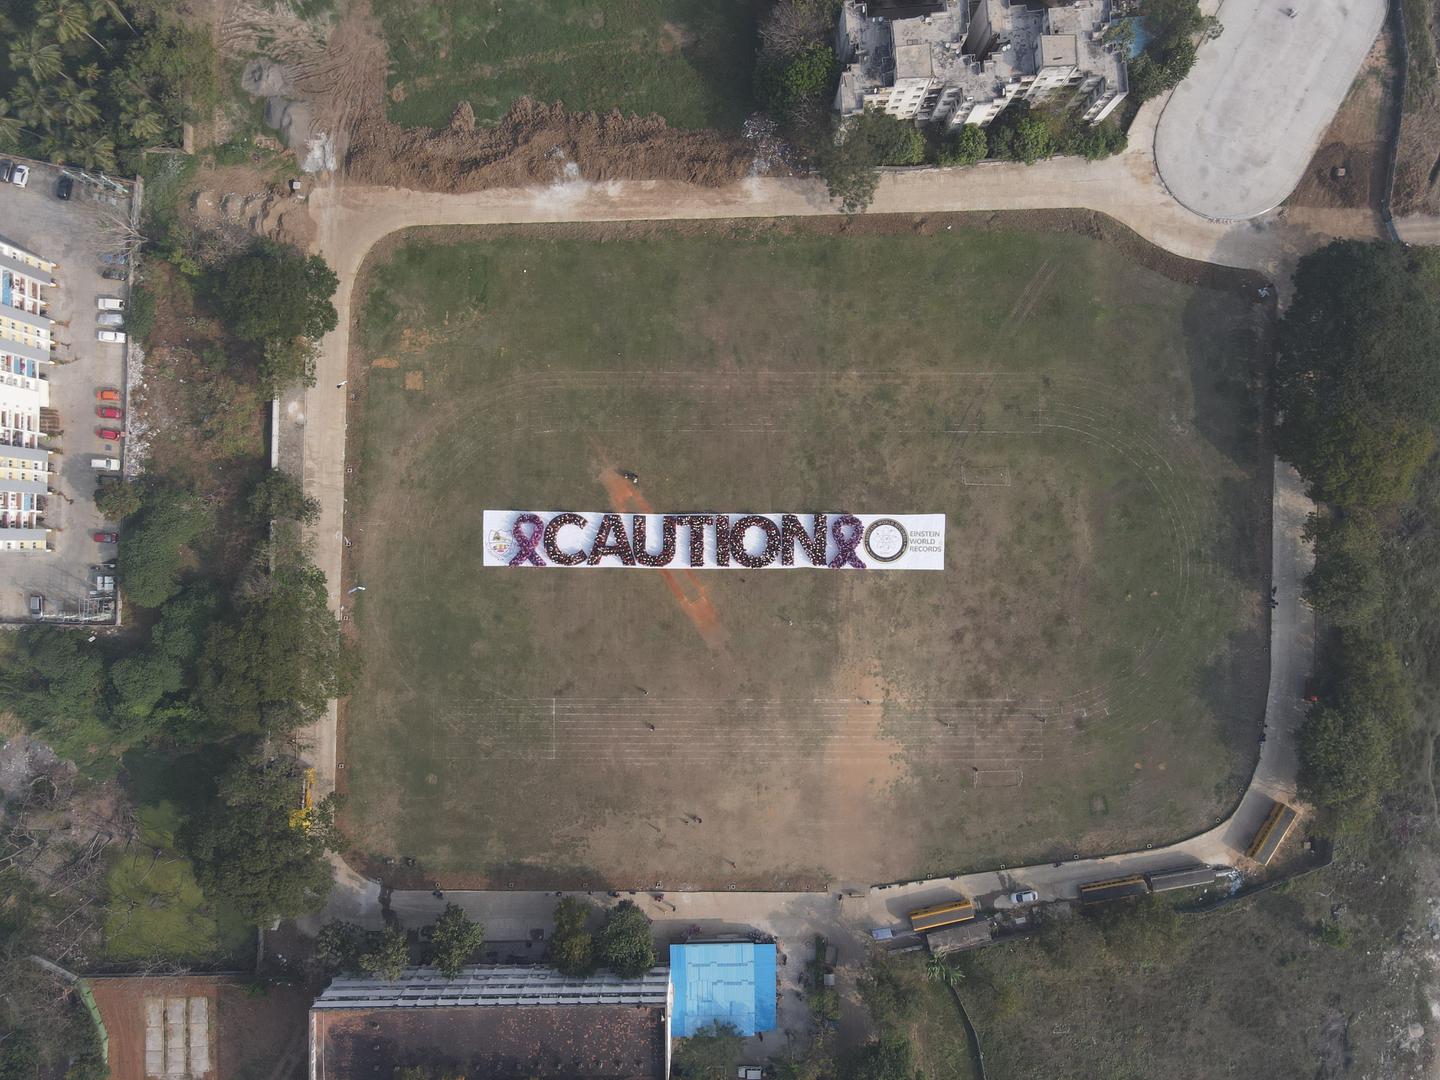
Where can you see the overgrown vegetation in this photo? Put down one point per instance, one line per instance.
(1176, 27)
(95, 84)
(1358, 393)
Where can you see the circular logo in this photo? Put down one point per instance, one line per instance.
(886, 540)
(500, 542)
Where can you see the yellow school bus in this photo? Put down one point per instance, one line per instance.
(949, 913)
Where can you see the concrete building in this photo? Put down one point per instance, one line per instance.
(942, 62)
(25, 357)
(494, 1020)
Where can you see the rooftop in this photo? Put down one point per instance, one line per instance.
(614, 1042)
(727, 982)
(495, 985)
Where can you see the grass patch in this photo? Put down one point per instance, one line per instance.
(690, 61)
(1420, 48)
(156, 910)
(1090, 434)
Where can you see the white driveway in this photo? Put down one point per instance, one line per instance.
(1236, 135)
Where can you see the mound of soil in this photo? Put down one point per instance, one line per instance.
(537, 143)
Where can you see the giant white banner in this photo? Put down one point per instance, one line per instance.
(565, 538)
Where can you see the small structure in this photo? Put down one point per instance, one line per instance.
(727, 982)
(970, 935)
(494, 1020)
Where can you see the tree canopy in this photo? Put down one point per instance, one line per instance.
(1358, 371)
(711, 1053)
(278, 299)
(625, 944)
(871, 139)
(247, 851)
(453, 939)
(572, 946)
(148, 564)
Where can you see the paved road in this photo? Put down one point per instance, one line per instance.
(1234, 139)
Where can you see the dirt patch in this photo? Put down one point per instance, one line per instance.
(341, 83)
(414, 380)
(1349, 168)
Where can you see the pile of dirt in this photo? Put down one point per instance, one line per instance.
(536, 143)
(325, 91)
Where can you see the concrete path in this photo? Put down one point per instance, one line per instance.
(1237, 134)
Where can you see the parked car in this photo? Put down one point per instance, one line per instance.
(115, 258)
(113, 274)
(105, 464)
(110, 434)
(1024, 896)
(116, 336)
(37, 602)
(109, 303)
(64, 188)
(109, 318)
(109, 412)
(107, 393)
(21, 176)
(105, 537)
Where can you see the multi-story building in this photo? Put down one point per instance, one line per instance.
(25, 344)
(939, 61)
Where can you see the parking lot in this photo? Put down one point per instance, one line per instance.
(75, 234)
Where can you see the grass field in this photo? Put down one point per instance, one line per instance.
(1087, 672)
(690, 61)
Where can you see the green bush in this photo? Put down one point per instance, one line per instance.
(797, 89)
(140, 313)
(148, 564)
(964, 147)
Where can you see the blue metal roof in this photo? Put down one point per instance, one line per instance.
(726, 982)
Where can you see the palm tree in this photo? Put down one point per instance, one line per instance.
(36, 54)
(37, 104)
(89, 74)
(69, 19)
(937, 970)
(90, 150)
(142, 122)
(77, 106)
(10, 126)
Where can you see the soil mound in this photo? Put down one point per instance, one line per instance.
(538, 143)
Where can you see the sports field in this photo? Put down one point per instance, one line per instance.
(1088, 671)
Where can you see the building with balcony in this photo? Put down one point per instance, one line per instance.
(941, 61)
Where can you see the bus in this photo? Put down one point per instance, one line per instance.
(1271, 834)
(1113, 889)
(925, 919)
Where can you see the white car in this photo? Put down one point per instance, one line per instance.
(1024, 896)
(21, 176)
(105, 464)
(109, 318)
(115, 336)
(109, 303)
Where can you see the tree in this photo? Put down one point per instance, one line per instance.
(1017, 135)
(816, 1063)
(1346, 585)
(274, 294)
(625, 944)
(56, 681)
(388, 955)
(1358, 371)
(279, 495)
(891, 991)
(280, 660)
(572, 946)
(148, 564)
(1345, 762)
(964, 147)
(286, 361)
(792, 26)
(455, 937)
(796, 88)
(889, 1057)
(19, 1055)
(863, 143)
(711, 1053)
(338, 947)
(247, 852)
(938, 970)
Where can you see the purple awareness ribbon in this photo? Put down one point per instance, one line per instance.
(528, 544)
(846, 555)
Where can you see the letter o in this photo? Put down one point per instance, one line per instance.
(737, 541)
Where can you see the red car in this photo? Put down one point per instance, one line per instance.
(106, 537)
(109, 434)
(109, 412)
